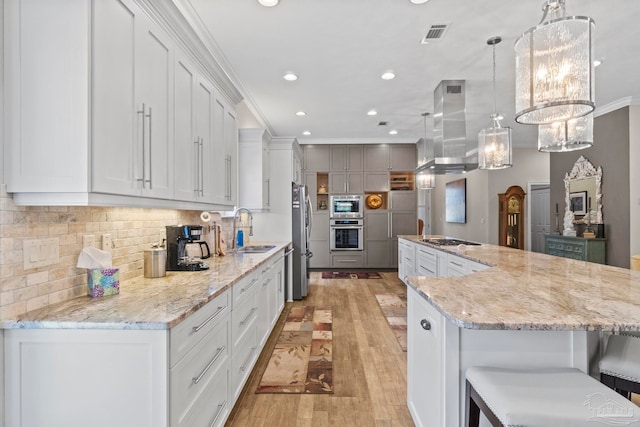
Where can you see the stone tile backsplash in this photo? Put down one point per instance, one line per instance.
(56, 279)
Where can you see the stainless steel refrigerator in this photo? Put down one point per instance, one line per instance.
(301, 223)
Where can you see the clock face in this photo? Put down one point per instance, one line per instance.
(514, 205)
(374, 201)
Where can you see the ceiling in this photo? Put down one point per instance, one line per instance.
(340, 48)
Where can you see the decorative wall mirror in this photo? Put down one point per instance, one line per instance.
(583, 193)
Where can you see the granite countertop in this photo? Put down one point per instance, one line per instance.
(525, 290)
(158, 303)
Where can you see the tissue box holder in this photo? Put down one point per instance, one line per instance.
(103, 281)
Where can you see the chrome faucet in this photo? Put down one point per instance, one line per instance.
(235, 216)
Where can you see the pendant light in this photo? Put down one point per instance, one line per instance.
(494, 142)
(554, 68)
(570, 135)
(425, 179)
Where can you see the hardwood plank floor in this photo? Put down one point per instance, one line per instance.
(369, 367)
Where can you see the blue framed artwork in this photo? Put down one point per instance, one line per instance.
(456, 201)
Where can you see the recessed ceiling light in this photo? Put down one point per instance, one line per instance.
(418, 1)
(301, 113)
(393, 132)
(306, 132)
(388, 75)
(271, 3)
(290, 77)
(372, 113)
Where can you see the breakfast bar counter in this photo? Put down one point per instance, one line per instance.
(486, 305)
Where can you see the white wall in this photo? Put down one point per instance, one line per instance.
(246, 118)
(634, 179)
(483, 187)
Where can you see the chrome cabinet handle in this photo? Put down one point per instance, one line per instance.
(426, 325)
(455, 263)
(246, 319)
(266, 282)
(219, 351)
(202, 166)
(150, 116)
(209, 319)
(196, 189)
(246, 361)
(246, 288)
(143, 112)
(218, 413)
(268, 192)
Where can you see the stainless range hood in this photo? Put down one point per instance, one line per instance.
(449, 152)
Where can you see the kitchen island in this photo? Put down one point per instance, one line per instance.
(503, 307)
(175, 350)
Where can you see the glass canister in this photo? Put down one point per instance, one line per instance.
(155, 260)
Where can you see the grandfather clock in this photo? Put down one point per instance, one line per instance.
(511, 217)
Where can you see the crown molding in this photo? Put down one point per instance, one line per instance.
(616, 105)
(346, 141)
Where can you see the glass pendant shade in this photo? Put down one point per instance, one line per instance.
(554, 68)
(571, 135)
(426, 181)
(494, 146)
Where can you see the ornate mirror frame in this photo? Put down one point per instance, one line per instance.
(582, 169)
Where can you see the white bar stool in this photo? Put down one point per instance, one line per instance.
(562, 397)
(620, 365)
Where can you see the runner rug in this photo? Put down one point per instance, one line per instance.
(350, 275)
(302, 360)
(394, 308)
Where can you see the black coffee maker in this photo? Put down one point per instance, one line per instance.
(178, 236)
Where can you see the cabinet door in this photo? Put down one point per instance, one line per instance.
(115, 121)
(403, 157)
(355, 159)
(186, 145)
(231, 150)
(376, 181)
(376, 158)
(338, 159)
(220, 162)
(153, 162)
(337, 183)
(403, 200)
(403, 223)
(316, 158)
(203, 130)
(424, 361)
(377, 244)
(311, 181)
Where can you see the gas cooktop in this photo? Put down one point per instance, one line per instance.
(448, 241)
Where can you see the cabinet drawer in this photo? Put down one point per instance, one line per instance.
(244, 356)
(456, 266)
(473, 267)
(190, 331)
(244, 287)
(348, 260)
(242, 317)
(197, 369)
(213, 406)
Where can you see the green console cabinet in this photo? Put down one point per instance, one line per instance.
(592, 250)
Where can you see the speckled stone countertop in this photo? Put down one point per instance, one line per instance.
(159, 303)
(531, 291)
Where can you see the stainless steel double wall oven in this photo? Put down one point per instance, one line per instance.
(346, 223)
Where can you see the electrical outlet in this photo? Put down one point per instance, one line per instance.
(106, 242)
(88, 240)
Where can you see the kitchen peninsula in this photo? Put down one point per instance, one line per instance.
(512, 308)
(167, 351)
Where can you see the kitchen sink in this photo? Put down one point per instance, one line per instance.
(255, 249)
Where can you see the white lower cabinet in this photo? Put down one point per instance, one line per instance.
(190, 375)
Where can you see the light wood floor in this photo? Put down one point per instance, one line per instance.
(369, 367)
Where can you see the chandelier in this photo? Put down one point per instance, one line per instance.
(570, 135)
(554, 68)
(494, 142)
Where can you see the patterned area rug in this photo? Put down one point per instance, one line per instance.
(302, 360)
(350, 275)
(394, 308)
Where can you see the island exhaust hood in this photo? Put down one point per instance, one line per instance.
(449, 152)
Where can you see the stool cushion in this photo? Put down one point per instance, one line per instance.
(563, 397)
(622, 357)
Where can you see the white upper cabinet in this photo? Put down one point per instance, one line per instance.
(255, 182)
(104, 108)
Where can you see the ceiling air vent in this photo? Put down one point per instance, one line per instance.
(383, 123)
(435, 33)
